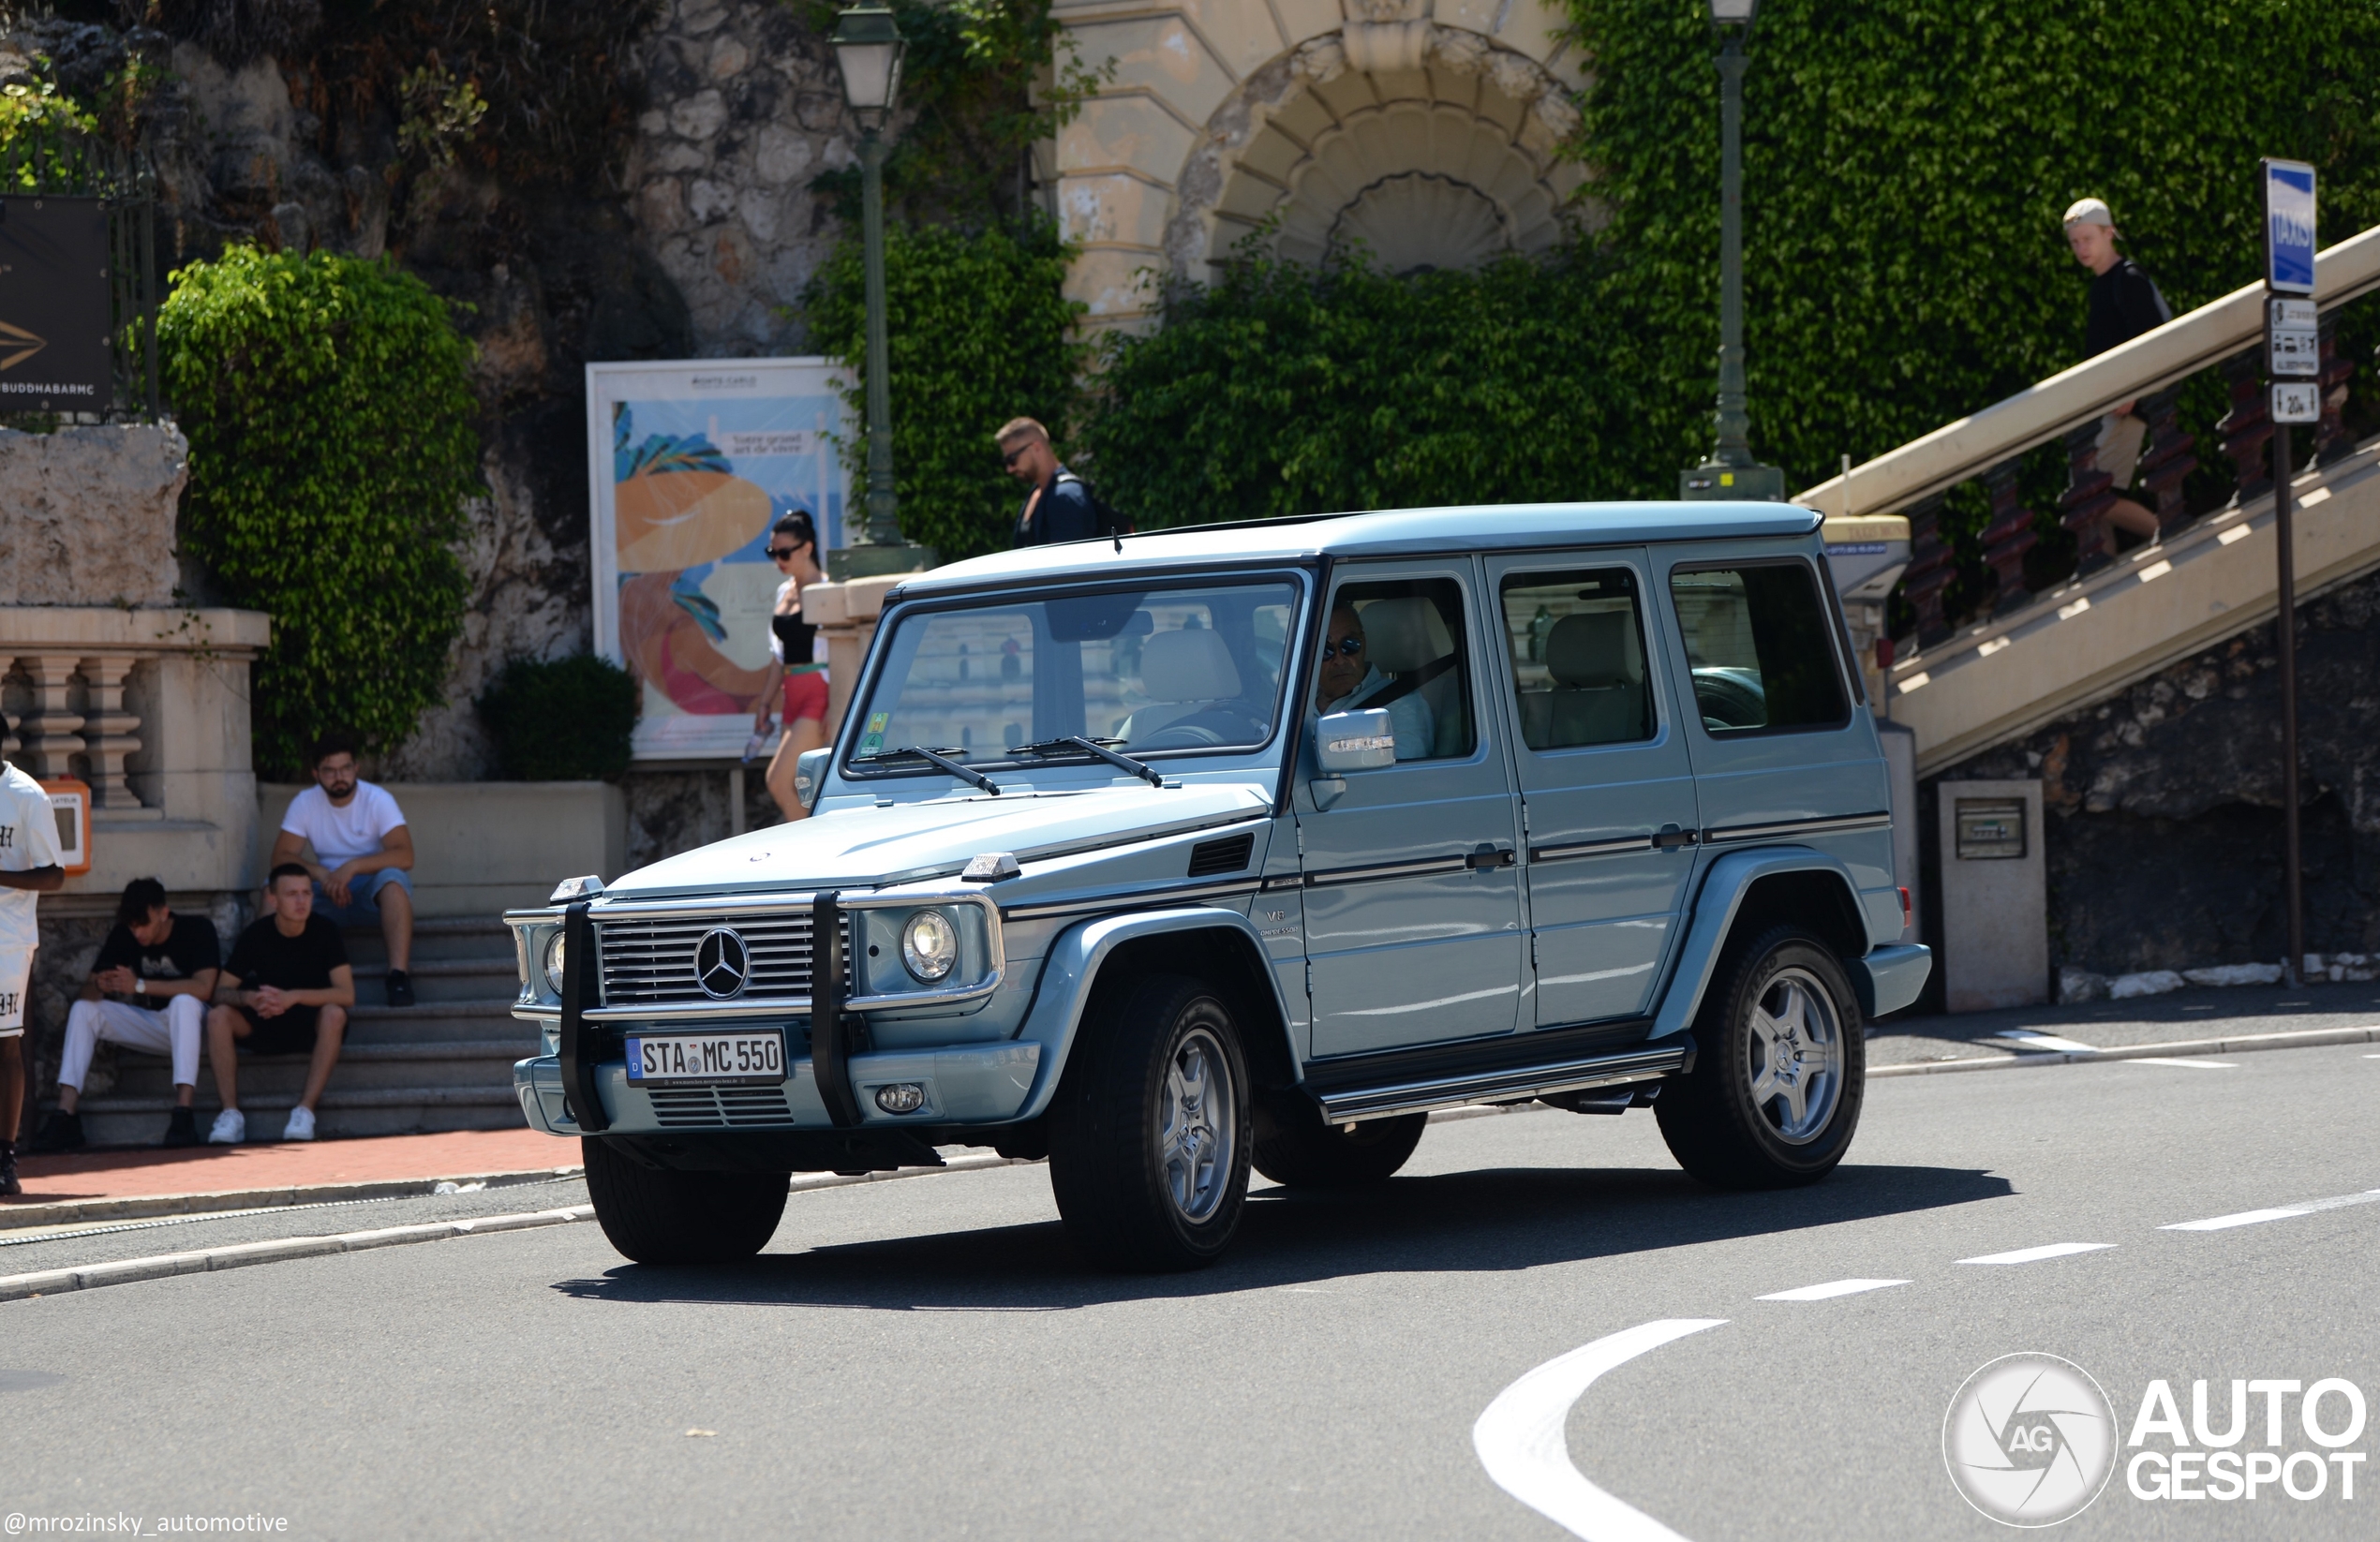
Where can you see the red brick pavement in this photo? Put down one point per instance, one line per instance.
(210, 1169)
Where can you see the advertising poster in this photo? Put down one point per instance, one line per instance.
(690, 464)
(53, 307)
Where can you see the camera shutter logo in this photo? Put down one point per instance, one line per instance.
(2030, 1440)
(18, 345)
(722, 965)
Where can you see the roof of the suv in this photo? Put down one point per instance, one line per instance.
(1496, 526)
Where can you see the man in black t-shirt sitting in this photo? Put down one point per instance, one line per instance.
(286, 990)
(148, 990)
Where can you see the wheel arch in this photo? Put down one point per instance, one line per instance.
(1746, 892)
(1099, 953)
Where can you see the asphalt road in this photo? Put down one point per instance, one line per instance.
(925, 1359)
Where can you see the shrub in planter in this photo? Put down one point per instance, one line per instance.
(560, 719)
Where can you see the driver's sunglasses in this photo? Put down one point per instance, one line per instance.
(1348, 647)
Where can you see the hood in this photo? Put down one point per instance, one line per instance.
(855, 848)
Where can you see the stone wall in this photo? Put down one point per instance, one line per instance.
(2164, 806)
(90, 514)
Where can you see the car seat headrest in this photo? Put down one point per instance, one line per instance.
(1187, 666)
(1402, 634)
(1588, 649)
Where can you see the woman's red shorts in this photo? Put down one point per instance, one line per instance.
(806, 696)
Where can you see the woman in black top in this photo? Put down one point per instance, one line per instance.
(2124, 304)
(793, 545)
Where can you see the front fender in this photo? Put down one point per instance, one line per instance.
(1724, 886)
(1073, 965)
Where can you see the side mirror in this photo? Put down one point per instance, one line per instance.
(809, 775)
(1355, 741)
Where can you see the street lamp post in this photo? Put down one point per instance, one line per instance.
(867, 47)
(1730, 472)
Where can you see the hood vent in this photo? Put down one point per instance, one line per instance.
(1209, 858)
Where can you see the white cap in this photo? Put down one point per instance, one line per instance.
(2091, 211)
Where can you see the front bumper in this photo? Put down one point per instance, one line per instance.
(964, 1084)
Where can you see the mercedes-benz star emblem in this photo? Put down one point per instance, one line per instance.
(722, 967)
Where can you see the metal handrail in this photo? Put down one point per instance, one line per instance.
(1958, 451)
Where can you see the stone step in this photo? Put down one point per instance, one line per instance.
(368, 1022)
(437, 937)
(478, 1062)
(441, 979)
(343, 1112)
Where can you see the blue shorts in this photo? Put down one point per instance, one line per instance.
(362, 908)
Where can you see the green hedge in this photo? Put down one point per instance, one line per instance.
(560, 719)
(979, 332)
(329, 411)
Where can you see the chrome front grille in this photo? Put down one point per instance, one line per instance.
(707, 1108)
(651, 963)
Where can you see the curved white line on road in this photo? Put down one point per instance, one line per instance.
(1519, 1441)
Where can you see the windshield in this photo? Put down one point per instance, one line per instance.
(1187, 667)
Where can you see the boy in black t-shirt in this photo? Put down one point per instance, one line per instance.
(148, 990)
(286, 988)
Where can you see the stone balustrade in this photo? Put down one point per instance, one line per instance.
(846, 613)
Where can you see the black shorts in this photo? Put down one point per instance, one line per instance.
(291, 1034)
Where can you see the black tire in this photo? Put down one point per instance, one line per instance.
(667, 1217)
(1718, 1125)
(1297, 1149)
(1162, 1050)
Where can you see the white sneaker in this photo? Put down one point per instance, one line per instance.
(301, 1125)
(230, 1128)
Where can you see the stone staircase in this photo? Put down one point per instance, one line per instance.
(444, 1063)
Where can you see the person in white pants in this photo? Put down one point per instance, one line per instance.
(31, 864)
(160, 968)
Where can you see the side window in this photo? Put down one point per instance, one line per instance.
(1758, 639)
(1398, 645)
(1578, 658)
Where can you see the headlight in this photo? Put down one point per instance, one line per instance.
(554, 961)
(930, 946)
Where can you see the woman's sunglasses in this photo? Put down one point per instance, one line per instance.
(784, 554)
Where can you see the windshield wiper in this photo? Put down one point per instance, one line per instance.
(964, 773)
(1093, 746)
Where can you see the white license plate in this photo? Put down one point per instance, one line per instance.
(706, 1056)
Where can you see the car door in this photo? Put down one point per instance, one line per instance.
(1412, 896)
(1608, 801)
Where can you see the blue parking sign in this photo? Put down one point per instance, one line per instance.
(2288, 200)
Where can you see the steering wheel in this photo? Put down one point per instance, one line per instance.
(1216, 725)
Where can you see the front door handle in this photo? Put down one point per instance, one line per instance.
(1488, 855)
(1669, 838)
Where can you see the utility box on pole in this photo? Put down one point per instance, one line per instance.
(1995, 895)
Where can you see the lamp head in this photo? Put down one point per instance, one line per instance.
(1734, 13)
(867, 47)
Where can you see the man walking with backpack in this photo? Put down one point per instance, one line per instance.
(1062, 506)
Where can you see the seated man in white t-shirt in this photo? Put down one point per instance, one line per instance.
(362, 849)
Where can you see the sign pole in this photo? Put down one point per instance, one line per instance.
(2291, 349)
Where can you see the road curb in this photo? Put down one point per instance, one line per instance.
(143, 1207)
(2241, 1044)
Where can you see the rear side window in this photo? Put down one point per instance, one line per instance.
(1757, 638)
(1578, 658)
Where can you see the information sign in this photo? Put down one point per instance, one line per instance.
(2296, 402)
(2288, 199)
(2295, 345)
(53, 305)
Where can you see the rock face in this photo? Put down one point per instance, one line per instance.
(90, 514)
(2162, 805)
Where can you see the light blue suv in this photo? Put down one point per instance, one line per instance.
(1250, 845)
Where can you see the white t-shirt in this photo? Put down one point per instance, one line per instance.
(339, 834)
(28, 839)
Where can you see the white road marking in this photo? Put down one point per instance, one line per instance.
(2031, 1040)
(1519, 1442)
(2035, 1255)
(1832, 1288)
(2250, 1218)
(2193, 1065)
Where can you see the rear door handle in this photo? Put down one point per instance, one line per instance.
(1488, 857)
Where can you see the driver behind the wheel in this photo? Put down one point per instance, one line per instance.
(1347, 680)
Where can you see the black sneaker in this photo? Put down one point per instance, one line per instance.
(60, 1131)
(182, 1129)
(10, 1184)
(400, 988)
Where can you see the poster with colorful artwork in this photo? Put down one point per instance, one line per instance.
(690, 464)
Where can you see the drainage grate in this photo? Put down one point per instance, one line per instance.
(708, 1107)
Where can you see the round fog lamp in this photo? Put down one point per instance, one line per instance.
(902, 1097)
(554, 962)
(930, 946)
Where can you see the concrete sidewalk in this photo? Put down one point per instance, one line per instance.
(2181, 1016)
(91, 1185)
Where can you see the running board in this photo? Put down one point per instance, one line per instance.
(1512, 1084)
